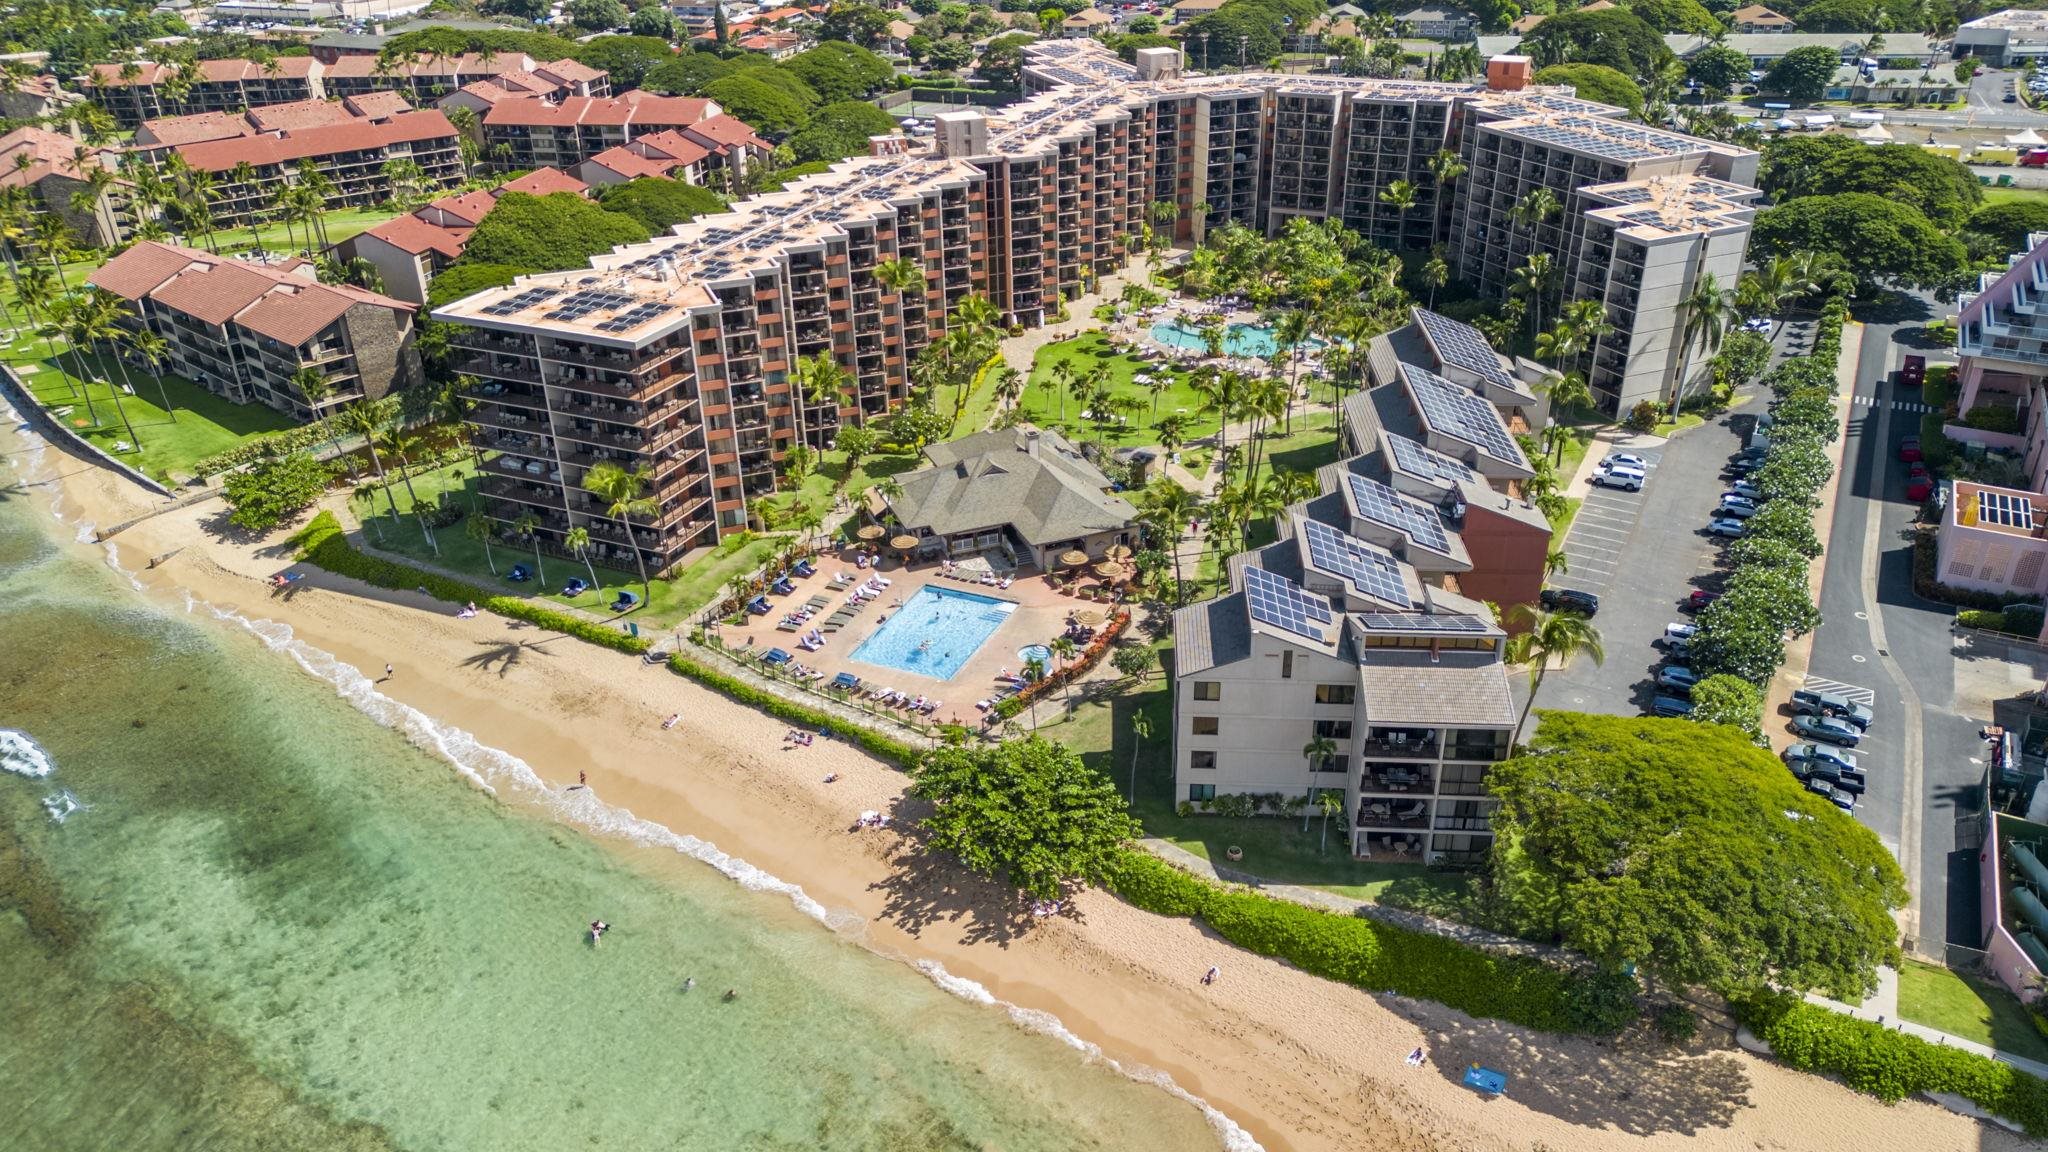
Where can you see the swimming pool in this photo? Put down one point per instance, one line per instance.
(1238, 340)
(935, 632)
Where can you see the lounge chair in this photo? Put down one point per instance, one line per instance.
(786, 626)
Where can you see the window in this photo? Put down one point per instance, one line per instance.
(1287, 665)
(1204, 760)
(1341, 765)
(1208, 690)
(1203, 726)
(1333, 729)
(1201, 791)
(1335, 693)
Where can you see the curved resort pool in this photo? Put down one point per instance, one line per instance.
(1238, 340)
(935, 632)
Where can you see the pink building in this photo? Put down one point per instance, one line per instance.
(1993, 540)
(2003, 340)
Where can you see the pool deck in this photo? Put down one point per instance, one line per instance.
(1041, 615)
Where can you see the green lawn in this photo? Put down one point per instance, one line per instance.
(817, 488)
(1042, 406)
(1275, 849)
(161, 446)
(2009, 195)
(1970, 1008)
(340, 225)
(672, 601)
(1563, 526)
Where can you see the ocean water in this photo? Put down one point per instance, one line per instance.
(268, 921)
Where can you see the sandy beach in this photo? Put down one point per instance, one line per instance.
(1298, 1062)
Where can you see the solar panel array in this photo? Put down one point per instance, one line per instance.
(2005, 509)
(513, 305)
(1420, 622)
(1371, 569)
(1424, 461)
(1382, 505)
(1456, 411)
(588, 300)
(1280, 602)
(628, 320)
(1462, 346)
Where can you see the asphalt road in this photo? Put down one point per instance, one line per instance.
(1878, 637)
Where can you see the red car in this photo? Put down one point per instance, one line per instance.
(1699, 599)
(1909, 449)
(1920, 488)
(1916, 471)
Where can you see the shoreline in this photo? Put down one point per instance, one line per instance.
(1298, 1062)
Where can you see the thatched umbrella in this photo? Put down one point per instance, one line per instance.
(1073, 557)
(871, 532)
(1088, 619)
(904, 544)
(1119, 552)
(1115, 570)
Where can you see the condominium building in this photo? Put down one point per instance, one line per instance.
(409, 251)
(677, 353)
(242, 330)
(353, 156)
(2002, 381)
(58, 170)
(134, 92)
(529, 132)
(427, 81)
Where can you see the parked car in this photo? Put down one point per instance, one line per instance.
(1828, 729)
(1698, 600)
(1569, 600)
(1671, 706)
(1626, 479)
(1678, 649)
(1678, 678)
(1920, 490)
(1829, 792)
(1740, 507)
(1806, 702)
(1680, 630)
(1746, 490)
(1744, 466)
(1624, 460)
(1909, 450)
(1727, 527)
(1913, 372)
(1823, 753)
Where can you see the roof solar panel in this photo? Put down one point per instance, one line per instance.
(1421, 622)
(1463, 346)
(1280, 602)
(521, 301)
(1456, 411)
(1382, 505)
(1420, 460)
(1370, 569)
(2005, 508)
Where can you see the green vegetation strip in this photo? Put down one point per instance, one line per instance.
(1891, 1065)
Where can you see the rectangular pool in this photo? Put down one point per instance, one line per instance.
(935, 632)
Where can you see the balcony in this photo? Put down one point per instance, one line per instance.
(1401, 743)
(1479, 746)
(1393, 813)
(1396, 777)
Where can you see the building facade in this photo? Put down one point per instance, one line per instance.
(529, 133)
(2014, 36)
(677, 354)
(147, 90)
(244, 330)
(352, 156)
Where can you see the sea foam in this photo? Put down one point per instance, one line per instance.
(22, 756)
(493, 768)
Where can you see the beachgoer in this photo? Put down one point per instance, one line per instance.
(689, 982)
(730, 995)
(387, 671)
(1417, 1058)
(582, 778)
(1209, 977)
(597, 929)
(831, 776)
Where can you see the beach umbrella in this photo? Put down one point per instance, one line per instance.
(1073, 557)
(1113, 570)
(1088, 619)
(870, 532)
(903, 543)
(1119, 552)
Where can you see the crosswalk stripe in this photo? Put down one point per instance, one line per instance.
(1854, 692)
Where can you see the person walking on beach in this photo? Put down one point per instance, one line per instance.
(387, 671)
(1210, 976)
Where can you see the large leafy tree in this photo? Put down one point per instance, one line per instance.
(837, 71)
(1001, 63)
(1596, 82)
(659, 204)
(1688, 851)
(273, 490)
(550, 233)
(596, 15)
(1717, 68)
(1613, 37)
(1247, 30)
(1026, 812)
(1942, 189)
(840, 130)
(769, 100)
(1879, 240)
(1675, 16)
(1803, 73)
(687, 74)
(1732, 701)
(2005, 227)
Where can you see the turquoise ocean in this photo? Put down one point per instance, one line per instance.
(246, 903)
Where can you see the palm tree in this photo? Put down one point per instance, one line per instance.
(1556, 563)
(1400, 195)
(243, 178)
(364, 419)
(400, 444)
(1709, 310)
(152, 349)
(1009, 386)
(1549, 636)
(1064, 648)
(818, 380)
(1445, 167)
(1165, 509)
(1532, 281)
(1538, 205)
(1436, 273)
(1223, 394)
(621, 491)
(578, 543)
(1318, 753)
(478, 528)
(526, 526)
(1061, 380)
(1566, 390)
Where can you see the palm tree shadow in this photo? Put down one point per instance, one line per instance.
(504, 654)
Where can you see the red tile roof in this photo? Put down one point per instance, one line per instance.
(49, 153)
(275, 303)
(135, 273)
(294, 315)
(765, 41)
(217, 71)
(470, 206)
(212, 292)
(171, 131)
(631, 164)
(378, 105)
(525, 83)
(543, 182)
(470, 64)
(570, 71)
(723, 132)
(635, 108)
(354, 136)
(414, 235)
(488, 91)
(675, 145)
(298, 114)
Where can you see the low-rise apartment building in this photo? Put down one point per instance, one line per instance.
(2002, 380)
(55, 169)
(409, 251)
(692, 337)
(138, 91)
(428, 81)
(352, 156)
(529, 132)
(242, 330)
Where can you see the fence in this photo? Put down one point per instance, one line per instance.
(846, 705)
(1955, 957)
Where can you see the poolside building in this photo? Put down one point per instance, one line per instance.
(1024, 496)
(1030, 205)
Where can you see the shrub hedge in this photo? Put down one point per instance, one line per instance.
(872, 742)
(1890, 1065)
(1366, 953)
(323, 542)
(279, 443)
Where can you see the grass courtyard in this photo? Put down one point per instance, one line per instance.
(1042, 405)
(1970, 1008)
(670, 602)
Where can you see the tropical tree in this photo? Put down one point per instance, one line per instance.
(1436, 273)
(1318, 753)
(1064, 648)
(1549, 636)
(1709, 312)
(1166, 509)
(577, 541)
(401, 444)
(1329, 804)
(366, 420)
(526, 526)
(479, 529)
(1141, 731)
(621, 492)
(1398, 195)
(1533, 281)
(819, 380)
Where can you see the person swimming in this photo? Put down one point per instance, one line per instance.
(597, 930)
(731, 995)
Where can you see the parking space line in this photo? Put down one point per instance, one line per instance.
(1853, 692)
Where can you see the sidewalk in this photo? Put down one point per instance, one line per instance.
(1883, 1008)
